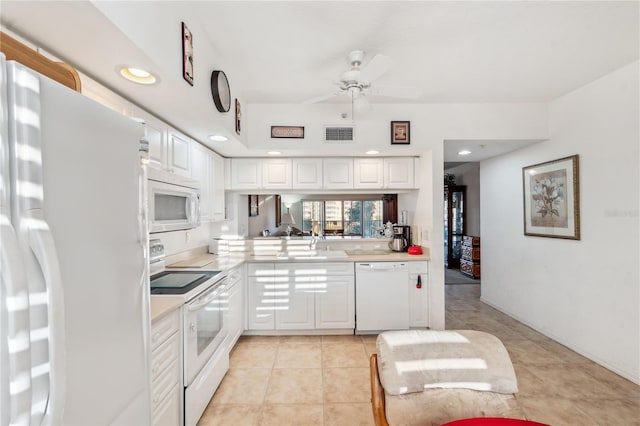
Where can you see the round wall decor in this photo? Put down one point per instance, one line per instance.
(220, 91)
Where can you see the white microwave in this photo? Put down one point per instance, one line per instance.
(173, 204)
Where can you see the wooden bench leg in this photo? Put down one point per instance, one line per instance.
(377, 393)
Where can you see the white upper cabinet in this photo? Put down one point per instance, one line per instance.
(367, 173)
(156, 134)
(246, 173)
(201, 170)
(307, 173)
(321, 173)
(179, 150)
(399, 172)
(337, 173)
(217, 187)
(276, 173)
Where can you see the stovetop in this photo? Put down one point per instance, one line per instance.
(179, 282)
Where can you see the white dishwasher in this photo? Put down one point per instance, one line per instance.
(382, 296)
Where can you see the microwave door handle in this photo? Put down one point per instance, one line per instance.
(192, 209)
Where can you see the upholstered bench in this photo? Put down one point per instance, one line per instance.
(428, 377)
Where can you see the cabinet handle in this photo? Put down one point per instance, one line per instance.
(419, 283)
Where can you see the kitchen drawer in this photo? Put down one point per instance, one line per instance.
(164, 355)
(418, 267)
(315, 269)
(168, 412)
(161, 387)
(163, 328)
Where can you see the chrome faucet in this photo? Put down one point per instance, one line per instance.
(314, 241)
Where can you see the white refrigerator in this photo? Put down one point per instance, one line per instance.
(74, 295)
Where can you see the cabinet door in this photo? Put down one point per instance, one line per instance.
(168, 412)
(201, 172)
(337, 173)
(276, 173)
(295, 308)
(217, 187)
(307, 173)
(179, 147)
(261, 294)
(367, 173)
(234, 319)
(399, 172)
(156, 133)
(335, 308)
(246, 173)
(418, 297)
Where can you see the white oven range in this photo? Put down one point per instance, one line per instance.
(205, 338)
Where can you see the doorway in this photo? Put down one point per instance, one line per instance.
(462, 223)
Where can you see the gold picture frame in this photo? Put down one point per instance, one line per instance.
(551, 199)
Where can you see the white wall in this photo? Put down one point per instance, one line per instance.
(469, 175)
(584, 294)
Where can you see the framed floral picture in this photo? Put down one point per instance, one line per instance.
(552, 199)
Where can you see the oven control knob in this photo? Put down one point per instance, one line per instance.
(192, 327)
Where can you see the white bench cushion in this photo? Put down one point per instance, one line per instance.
(417, 360)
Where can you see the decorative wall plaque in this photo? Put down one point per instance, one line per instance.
(291, 132)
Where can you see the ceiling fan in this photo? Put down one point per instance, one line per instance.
(357, 82)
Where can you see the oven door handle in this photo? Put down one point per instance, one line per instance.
(197, 306)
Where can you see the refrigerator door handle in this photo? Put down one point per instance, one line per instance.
(43, 247)
(15, 307)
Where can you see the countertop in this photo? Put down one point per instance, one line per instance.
(199, 259)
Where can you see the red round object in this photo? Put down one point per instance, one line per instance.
(414, 250)
(493, 421)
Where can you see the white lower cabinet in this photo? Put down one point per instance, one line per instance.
(418, 294)
(166, 370)
(300, 296)
(235, 315)
(336, 307)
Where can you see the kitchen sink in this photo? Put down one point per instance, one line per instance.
(312, 254)
(368, 252)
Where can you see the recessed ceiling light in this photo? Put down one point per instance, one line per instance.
(464, 152)
(372, 152)
(274, 152)
(138, 75)
(218, 138)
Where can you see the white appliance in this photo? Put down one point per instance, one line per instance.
(174, 204)
(382, 296)
(74, 295)
(206, 355)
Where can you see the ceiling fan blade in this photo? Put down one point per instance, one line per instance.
(404, 92)
(379, 65)
(322, 97)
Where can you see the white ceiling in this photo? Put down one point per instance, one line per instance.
(286, 52)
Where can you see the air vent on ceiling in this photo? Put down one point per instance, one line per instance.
(340, 133)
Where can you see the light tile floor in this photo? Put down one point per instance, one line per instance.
(324, 380)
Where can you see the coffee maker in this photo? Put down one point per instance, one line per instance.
(404, 232)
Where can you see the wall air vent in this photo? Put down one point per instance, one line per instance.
(340, 133)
